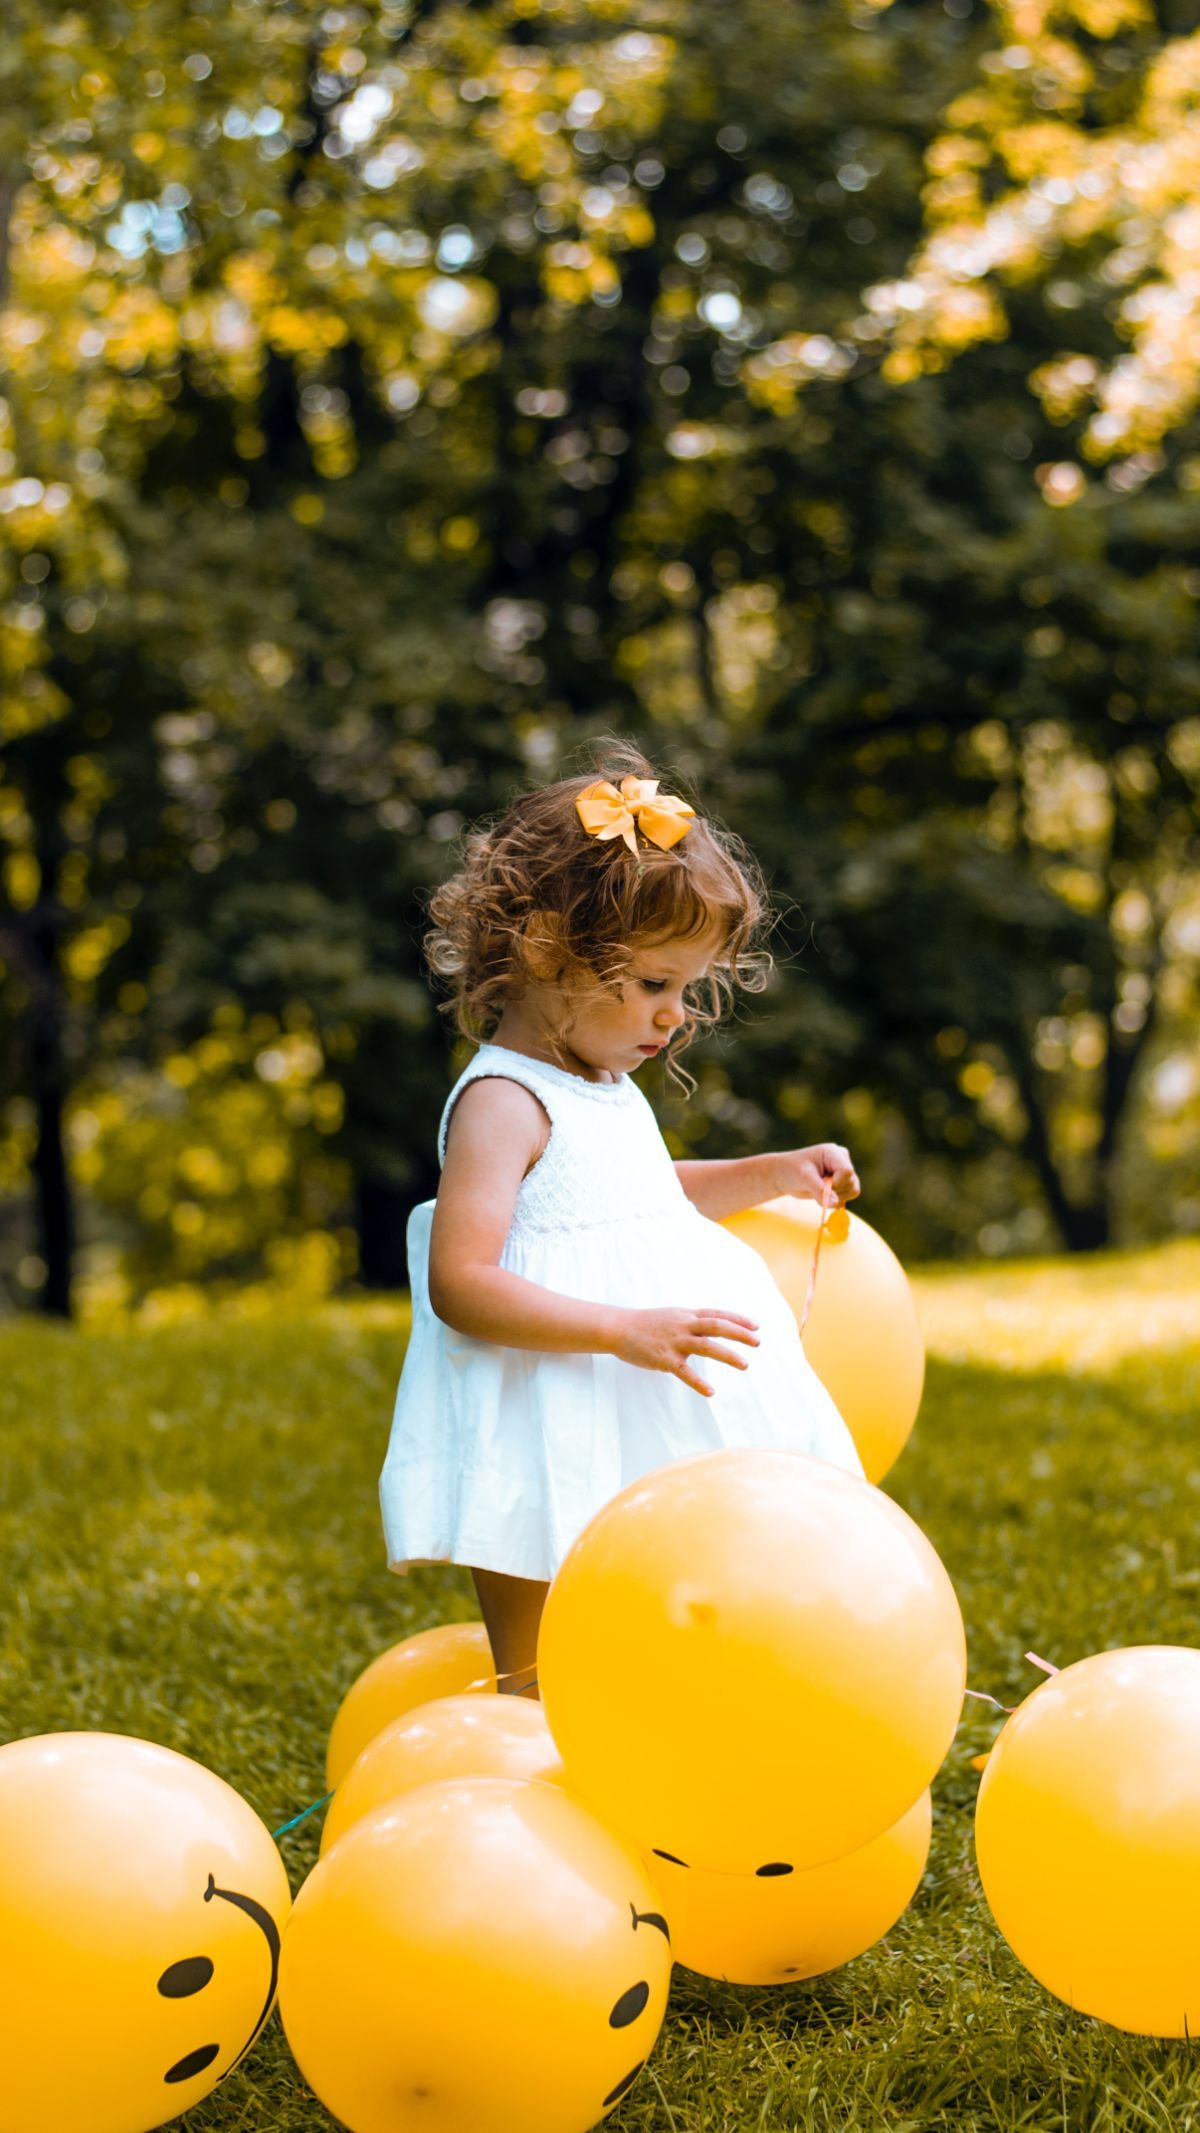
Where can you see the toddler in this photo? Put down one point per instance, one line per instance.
(570, 1282)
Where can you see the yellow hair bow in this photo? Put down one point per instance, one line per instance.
(605, 812)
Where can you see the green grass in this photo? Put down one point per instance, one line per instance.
(189, 1533)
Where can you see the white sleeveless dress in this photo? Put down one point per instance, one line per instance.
(498, 1457)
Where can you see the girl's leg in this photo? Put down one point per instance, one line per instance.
(512, 1610)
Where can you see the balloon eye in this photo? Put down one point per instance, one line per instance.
(773, 1866)
(180, 1980)
(669, 1856)
(629, 2006)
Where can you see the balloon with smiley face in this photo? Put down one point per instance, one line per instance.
(773, 1929)
(141, 1907)
(452, 1659)
(480, 1956)
(458, 1736)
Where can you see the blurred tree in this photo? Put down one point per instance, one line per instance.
(1063, 174)
(213, 1170)
(398, 395)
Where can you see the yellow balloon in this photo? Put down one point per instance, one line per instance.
(141, 1907)
(459, 1736)
(450, 1660)
(748, 1929)
(862, 1335)
(751, 1658)
(478, 1957)
(1087, 1833)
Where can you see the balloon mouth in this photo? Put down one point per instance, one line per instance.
(624, 2084)
(651, 1918)
(195, 2063)
(198, 2061)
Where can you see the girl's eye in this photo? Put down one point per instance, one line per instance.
(654, 984)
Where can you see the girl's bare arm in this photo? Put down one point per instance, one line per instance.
(497, 1128)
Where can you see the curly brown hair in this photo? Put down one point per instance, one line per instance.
(539, 899)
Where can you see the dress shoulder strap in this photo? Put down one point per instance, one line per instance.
(492, 1062)
(562, 1095)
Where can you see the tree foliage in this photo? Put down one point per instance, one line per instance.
(397, 396)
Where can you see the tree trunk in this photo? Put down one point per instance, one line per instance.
(1086, 1226)
(382, 1210)
(8, 194)
(55, 1215)
(380, 1215)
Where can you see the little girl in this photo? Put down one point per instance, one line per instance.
(569, 1278)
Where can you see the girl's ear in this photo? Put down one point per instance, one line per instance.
(544, 946)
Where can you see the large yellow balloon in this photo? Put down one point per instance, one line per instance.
(450, 1660)
(478, 1957)
(1087, 1832)
(141, 1907)
(751, 1658)
(750, 1929)
(459, 1736)
(862, 1335)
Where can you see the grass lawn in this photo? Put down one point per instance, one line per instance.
(190, 1539)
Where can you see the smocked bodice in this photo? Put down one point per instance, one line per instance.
(605, 1161)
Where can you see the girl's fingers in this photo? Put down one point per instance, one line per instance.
(728, 1326)
(689, 1378)
(721, 1355)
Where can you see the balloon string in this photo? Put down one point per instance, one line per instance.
(484, 1682)
(302, 1817)
(981, 1695)
(826, 1211)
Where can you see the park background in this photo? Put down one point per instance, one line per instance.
(396, 397)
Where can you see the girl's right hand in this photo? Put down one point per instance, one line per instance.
(665, 1340)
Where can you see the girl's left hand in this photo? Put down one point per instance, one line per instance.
(824, 1173)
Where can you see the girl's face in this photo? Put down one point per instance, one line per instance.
(646, 1010)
